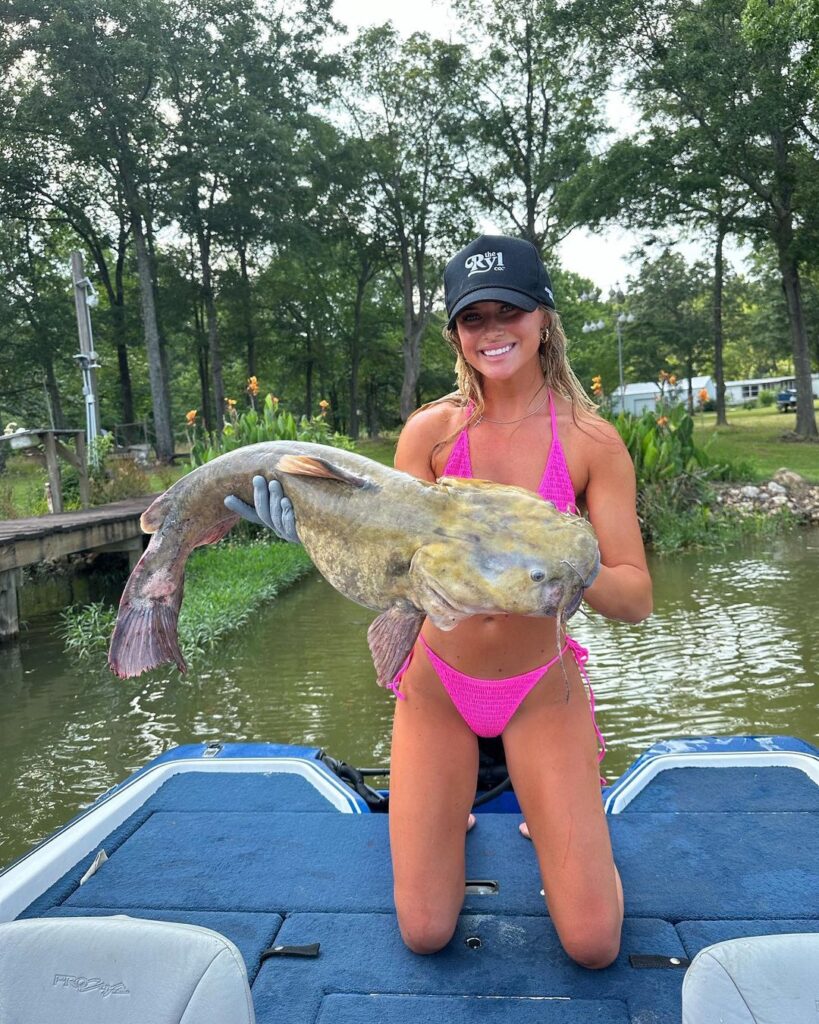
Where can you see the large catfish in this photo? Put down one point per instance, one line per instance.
(405, 547)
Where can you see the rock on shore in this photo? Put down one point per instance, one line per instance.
(786, 490)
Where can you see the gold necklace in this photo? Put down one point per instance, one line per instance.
(506, 423)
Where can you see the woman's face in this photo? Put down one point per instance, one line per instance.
(499, 339)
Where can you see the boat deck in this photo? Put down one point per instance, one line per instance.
(711, 843)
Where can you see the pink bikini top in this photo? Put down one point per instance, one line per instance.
(556, 485)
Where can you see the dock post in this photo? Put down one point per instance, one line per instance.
(53, 467)
(9, 617)
(134, 548)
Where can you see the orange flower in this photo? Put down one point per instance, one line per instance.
(662, 421)
(274, 400)
(703, 395)
(252, 386)
(672, 380)
(230, 403)
(663, 375)
(190, 417)
(324, 406)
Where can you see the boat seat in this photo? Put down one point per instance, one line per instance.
(92, 970)
(763, 979)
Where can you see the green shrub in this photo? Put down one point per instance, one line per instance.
(662, 447)
(675, 501)
(271, 424)
(767, 398)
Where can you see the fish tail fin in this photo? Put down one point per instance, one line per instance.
(145, 637)
(145, 634)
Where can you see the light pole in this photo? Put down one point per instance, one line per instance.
(623, 318)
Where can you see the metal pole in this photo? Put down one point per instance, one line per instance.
(620, 361)
(84, 297)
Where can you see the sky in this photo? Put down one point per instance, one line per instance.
(602, 255)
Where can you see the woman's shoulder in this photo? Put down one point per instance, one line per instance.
(437, 418)
(425, 430)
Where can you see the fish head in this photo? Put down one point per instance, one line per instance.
(511, 552)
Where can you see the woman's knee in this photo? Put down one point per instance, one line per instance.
(593, 946)
(425, 931)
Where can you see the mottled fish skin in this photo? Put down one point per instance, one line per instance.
(385, 539)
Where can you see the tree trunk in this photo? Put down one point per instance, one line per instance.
(247, 312)
(355, 351)
(204, 388)
(213, 333)
(308, 374)
(719, 371)
(160, 395)
(372, 408)
(413, 331)
(805, 415)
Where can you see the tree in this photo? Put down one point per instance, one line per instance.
(533, 99)
(237, 82)
(395, 107)
(670, 301)
(87, 76)
(736, 89)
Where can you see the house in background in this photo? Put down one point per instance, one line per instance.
(639, 397)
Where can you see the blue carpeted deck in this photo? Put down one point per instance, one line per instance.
(705, 854)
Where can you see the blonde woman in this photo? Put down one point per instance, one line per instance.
(519, 417)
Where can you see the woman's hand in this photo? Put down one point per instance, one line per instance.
(272, 509)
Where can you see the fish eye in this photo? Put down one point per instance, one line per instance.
(537, 575)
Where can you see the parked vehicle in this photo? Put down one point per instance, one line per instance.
(786, 400)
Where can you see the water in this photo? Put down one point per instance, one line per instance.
(733, 647)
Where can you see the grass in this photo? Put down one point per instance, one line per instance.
(224, 585)
(380, 449)
(755, 436)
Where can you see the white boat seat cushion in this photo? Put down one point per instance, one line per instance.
(764, 979)
(93, 970)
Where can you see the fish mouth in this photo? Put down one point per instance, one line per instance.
(574, 604)
(448, 606)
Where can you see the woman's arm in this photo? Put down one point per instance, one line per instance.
(623, 589)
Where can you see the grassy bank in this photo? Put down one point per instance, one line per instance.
(22, 484)
(224, 585)
(755, 436)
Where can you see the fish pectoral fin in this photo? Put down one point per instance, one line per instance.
(307, 465)
(391, 637)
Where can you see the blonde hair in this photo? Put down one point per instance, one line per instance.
(557, 374)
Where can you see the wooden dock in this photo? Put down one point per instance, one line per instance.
(23, 542)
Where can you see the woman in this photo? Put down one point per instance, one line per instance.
(518, 408)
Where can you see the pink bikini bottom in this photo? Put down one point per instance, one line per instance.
(486, 705)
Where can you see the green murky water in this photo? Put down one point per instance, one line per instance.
(733, 647)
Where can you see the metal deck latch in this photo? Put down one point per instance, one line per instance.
(309, 951)
(647, 960)
(481, 887)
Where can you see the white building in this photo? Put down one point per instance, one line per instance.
(639, 397)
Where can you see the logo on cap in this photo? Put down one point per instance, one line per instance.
(480, 263)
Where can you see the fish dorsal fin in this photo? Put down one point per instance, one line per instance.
(308, 465)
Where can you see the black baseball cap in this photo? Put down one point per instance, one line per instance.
(499, 269)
